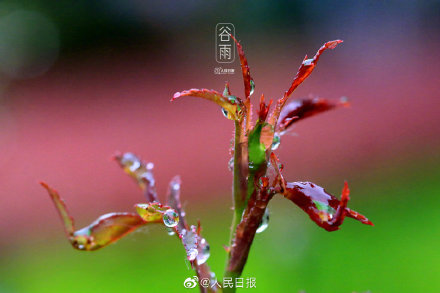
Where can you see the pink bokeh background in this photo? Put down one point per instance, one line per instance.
(63, 127)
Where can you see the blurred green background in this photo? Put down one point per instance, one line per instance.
(82, 79)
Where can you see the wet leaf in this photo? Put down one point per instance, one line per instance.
(300, 109)
(102, 232)
(308, 65)
(323, 208)
(231, 106)
(249, 85)
(141, 172)
(106, 230)
(151, 212)
(306, 68)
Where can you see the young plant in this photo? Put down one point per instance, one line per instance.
(257, 178)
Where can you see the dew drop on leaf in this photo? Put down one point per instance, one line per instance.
(225, 113)
(325, 211)
(264, 222)
(203, 251)
(252, 87)
(190, 241)
(307, 62)
(276, 141)
(170, 218)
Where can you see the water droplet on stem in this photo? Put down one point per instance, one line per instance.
(264, 222)
(170, 218)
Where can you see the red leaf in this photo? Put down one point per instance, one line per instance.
(230, 105)
(306, 68)
(102, 232)
(323, 208)
(247, 79)
(300, 109)
(308, 65)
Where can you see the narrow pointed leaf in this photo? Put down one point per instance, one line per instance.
(308, 65)
(306, 68)
(323, 208)
(300, 109)
(229, 105)
(105, 230)
(61, 207)
(249, 84)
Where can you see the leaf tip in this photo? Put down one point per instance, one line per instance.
(175, 96)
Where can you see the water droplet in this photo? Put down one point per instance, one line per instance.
(231, 164)
(264, 222)
(308, 62)
(325, 211)
(213, 279)
(232, 99)
(252, 87)
(225, 113)
(170, 218)
(190, 242)
(130, 161)
(175, 186)
(203, 251)
(276, 141)
(192, 254)
(170, 231)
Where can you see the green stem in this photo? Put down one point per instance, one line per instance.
(239, 195)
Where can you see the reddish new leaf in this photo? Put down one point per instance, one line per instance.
(106, 230)
(306, 68)
(300, 109)
(229, 104)
(60, 205)
(323, 208)
(102, 232)
(249, 84)
(308, 65)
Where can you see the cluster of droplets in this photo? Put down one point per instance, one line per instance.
(190, 241)
(196, 247)
(136, 167)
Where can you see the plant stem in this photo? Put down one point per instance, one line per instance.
(243, 188)
(237, 189)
